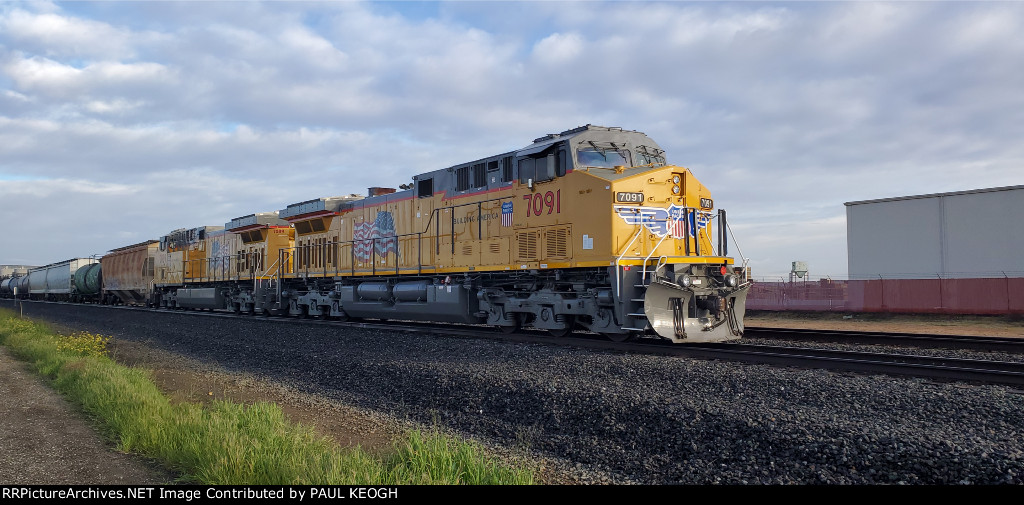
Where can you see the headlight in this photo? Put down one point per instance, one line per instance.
(675, 179)
(731, 281)
(675, 190)
(686, 280)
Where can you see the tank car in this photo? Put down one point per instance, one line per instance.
(19, 286)
(7, 286)
(76, 279)
(589, 228)
(15, 286)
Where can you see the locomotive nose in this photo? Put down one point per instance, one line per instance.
(667, 306)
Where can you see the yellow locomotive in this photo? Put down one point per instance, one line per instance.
(588, 228)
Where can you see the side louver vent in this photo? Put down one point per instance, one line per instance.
(527, 245)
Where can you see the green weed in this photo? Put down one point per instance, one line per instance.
(229, 443)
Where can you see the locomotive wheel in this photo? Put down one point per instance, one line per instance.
(517, 319)
(618, 337)
(569, 324)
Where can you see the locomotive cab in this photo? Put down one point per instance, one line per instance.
(666, 274)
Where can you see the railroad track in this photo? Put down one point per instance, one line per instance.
(974, 343)
(931, 367)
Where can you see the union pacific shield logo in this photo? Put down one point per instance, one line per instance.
(506, 213)
(661, 221)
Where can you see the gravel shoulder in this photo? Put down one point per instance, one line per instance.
(590, 416)
(44, 432)
(190, 380)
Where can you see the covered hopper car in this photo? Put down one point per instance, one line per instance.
(76, 279)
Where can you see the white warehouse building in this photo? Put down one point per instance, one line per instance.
(963, 234)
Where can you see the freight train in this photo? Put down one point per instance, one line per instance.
(586, 229)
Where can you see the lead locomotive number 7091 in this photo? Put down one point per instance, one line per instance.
(586, 229)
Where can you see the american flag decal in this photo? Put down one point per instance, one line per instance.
(677, 227)
(383, 230)
(506, 213)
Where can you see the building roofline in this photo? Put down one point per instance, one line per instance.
(936, 195)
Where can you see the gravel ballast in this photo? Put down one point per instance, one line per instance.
(618, 417)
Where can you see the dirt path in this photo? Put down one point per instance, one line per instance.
(46, 440)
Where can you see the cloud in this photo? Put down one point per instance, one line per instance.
(784, 111)
(55, 82)
(117, 106)
(558, 48)
(55, 35)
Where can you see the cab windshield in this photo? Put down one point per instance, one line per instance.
(649, 156)
(647, 159)
(607, 158)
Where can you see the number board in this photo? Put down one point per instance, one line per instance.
(626, 197)
(536, 203)
(707, 203)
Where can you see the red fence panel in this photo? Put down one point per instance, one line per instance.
(913, 295)
(1015, 290)
(824, 295)
(977, 296)
(999, 295)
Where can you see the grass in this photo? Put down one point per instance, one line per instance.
(229, 443)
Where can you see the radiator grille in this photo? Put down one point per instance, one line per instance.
(556, 243)
(527, 245)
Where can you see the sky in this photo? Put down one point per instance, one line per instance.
(121, 121)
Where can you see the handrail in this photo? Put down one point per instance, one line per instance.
(618, 281)
(706, 234)
(653, 249)
(427, 228)
(419, 236)
(671, 257)
(640, 226)
(266, 272)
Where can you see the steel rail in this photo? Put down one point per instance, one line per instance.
(932, 367)
(922, 340)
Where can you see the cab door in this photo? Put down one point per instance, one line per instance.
(425, 222)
